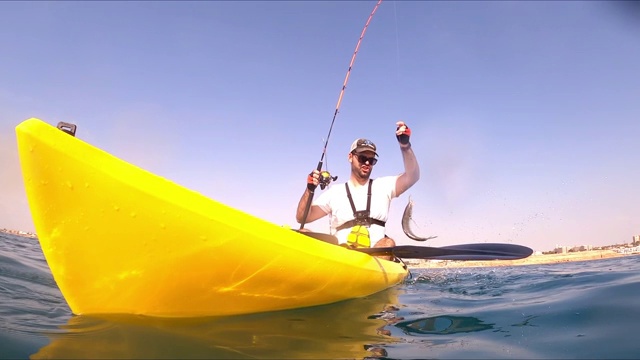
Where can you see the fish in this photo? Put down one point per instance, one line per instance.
(406, 219)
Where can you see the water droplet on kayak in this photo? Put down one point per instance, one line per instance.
(163, 226)
(116, 208)
(86, 185)
(69, 185)
(203, 238)
(133, 214)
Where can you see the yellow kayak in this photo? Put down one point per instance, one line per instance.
(119, 239)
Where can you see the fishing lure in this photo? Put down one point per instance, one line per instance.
(406, 219)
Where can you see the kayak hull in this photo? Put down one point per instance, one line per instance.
(119, 239)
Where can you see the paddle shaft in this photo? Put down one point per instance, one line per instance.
(482, 251)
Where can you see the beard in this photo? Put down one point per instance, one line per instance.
(361, 172)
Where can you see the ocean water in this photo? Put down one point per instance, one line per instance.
(580, 310)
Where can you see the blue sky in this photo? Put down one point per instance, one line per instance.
(525, 115)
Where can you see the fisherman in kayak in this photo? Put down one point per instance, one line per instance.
(359, 208)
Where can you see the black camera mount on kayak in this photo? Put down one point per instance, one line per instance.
(67, 127)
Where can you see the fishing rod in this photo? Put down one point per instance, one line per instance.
(325, 176)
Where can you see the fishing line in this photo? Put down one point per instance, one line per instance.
(395, 14)
(326, 179)
(397, 92)
(346, 78)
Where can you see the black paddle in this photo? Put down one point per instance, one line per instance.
(481, 251)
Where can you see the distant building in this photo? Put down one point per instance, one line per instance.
(561, 249)
(414, 262)
(636, 239)
(582, 248)
(631, 250)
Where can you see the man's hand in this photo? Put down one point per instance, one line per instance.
(313, 179)
(403, 133)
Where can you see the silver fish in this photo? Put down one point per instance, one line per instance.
(406, 218)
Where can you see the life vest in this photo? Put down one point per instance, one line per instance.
(359, 235)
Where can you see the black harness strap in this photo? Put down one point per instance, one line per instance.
(354, 222)
(353, 207)
(361, 217)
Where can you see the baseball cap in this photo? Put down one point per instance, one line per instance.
(360, 145)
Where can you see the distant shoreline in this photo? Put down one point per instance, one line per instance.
(18, 233)
(531, 260)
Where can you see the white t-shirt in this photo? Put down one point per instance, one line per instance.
(336, 204)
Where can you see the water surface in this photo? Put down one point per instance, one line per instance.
(561, 311)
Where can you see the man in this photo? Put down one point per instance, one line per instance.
(359, 208)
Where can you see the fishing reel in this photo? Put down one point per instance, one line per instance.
(325, 179)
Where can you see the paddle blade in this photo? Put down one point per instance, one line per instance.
(487, 251)
(484, 251)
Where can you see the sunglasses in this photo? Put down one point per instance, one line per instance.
(363, 159)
